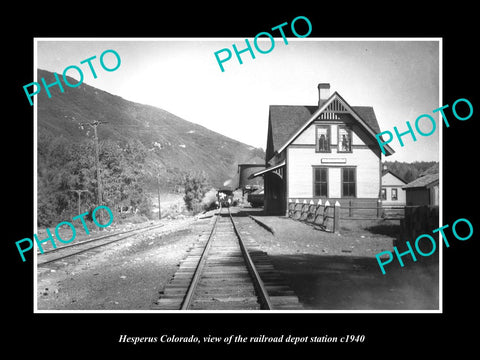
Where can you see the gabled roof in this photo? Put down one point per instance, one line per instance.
(367, 114)
(384, 172)
(286, 122)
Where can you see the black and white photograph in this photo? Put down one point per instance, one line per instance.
(284, 207)
(282, 181)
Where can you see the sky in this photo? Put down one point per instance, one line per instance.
(398, 78)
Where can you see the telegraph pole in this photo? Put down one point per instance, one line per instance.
(94, 125)
(97, 163)
(158, 189)
(160, 166)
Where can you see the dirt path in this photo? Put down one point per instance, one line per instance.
(340, 272)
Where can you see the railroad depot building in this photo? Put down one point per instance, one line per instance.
(328, 151)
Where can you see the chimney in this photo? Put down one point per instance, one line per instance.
(323, 93)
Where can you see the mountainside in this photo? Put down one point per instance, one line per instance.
(175, 145)
(410, 171)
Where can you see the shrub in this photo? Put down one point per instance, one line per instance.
(195, 188)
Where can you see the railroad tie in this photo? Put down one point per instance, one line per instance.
(217, 275)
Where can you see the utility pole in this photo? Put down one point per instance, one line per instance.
(79, 192)
(158, 189)
(161, 166)
(94, 125)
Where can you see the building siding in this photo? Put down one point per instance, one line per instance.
(390, 182)
(302, 158)
(401, 196)
(418, 196)
(300, 171)
(334, 182)
(423, 196)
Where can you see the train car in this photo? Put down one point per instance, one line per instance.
(225, 197)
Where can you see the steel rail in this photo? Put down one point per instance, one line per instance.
(257, 281)
(187, 301)
(92, 247)
(258, 284)
(100, 238)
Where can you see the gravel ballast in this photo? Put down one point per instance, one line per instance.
(327, 271)
(124, 276)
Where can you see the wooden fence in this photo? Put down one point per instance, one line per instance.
(323, 216)
(355, 210)
(418, 220)
(414, 220)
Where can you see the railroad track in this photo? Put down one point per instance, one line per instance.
(71, 250)
(226, 271)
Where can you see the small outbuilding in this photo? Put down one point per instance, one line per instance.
(425, 189)
(392, 192)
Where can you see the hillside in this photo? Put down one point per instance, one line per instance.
(175, 144)
(143, 150)
(409, 171)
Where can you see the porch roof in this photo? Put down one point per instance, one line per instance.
(271, 168)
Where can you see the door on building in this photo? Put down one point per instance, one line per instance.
(275, 200)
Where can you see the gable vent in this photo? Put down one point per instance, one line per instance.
(330, 113)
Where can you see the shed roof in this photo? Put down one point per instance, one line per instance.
(423, 181)
(271, 168)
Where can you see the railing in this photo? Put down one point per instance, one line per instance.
(326, 216)
(321, 215)
(357, 211)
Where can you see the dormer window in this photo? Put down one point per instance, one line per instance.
(323, 138)
(344, 139)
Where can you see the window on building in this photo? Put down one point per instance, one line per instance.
(383, 194)
(394, 194)
(344, 139)
(348, 182)
(323, 138)
(320, 181)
